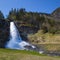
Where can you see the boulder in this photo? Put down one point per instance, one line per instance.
(4, 32)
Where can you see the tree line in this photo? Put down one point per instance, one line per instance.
(33, 19)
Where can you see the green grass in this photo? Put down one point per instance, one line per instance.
(19, 51)
(7, 54)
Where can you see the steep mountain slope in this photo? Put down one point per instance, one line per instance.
(56, 13)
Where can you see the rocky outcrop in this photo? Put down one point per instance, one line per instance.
(4, 32)
(56, 14)
(25, 30)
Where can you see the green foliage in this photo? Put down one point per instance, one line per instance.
(1, 15)
(12, 14)
(33, 19)
(51, 22)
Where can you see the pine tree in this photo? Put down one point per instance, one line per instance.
(1, 15)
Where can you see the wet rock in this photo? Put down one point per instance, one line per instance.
(4, 32)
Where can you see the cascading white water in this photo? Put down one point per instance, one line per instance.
(15, 41)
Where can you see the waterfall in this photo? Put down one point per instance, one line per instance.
(16, 41)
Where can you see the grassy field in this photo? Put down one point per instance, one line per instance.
(48, 41)
(50, 47)
(47, 38)
(6, 54)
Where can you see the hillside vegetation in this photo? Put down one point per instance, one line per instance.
(49, 42)
(44, 38)
(35, 27)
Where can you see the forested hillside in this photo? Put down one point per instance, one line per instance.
(35, 27)
(40, 21)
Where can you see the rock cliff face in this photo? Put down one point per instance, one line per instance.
(4, 32)
(56, 14)
(50, 19)
(25, 30)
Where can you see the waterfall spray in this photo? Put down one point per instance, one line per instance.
(15, 41)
